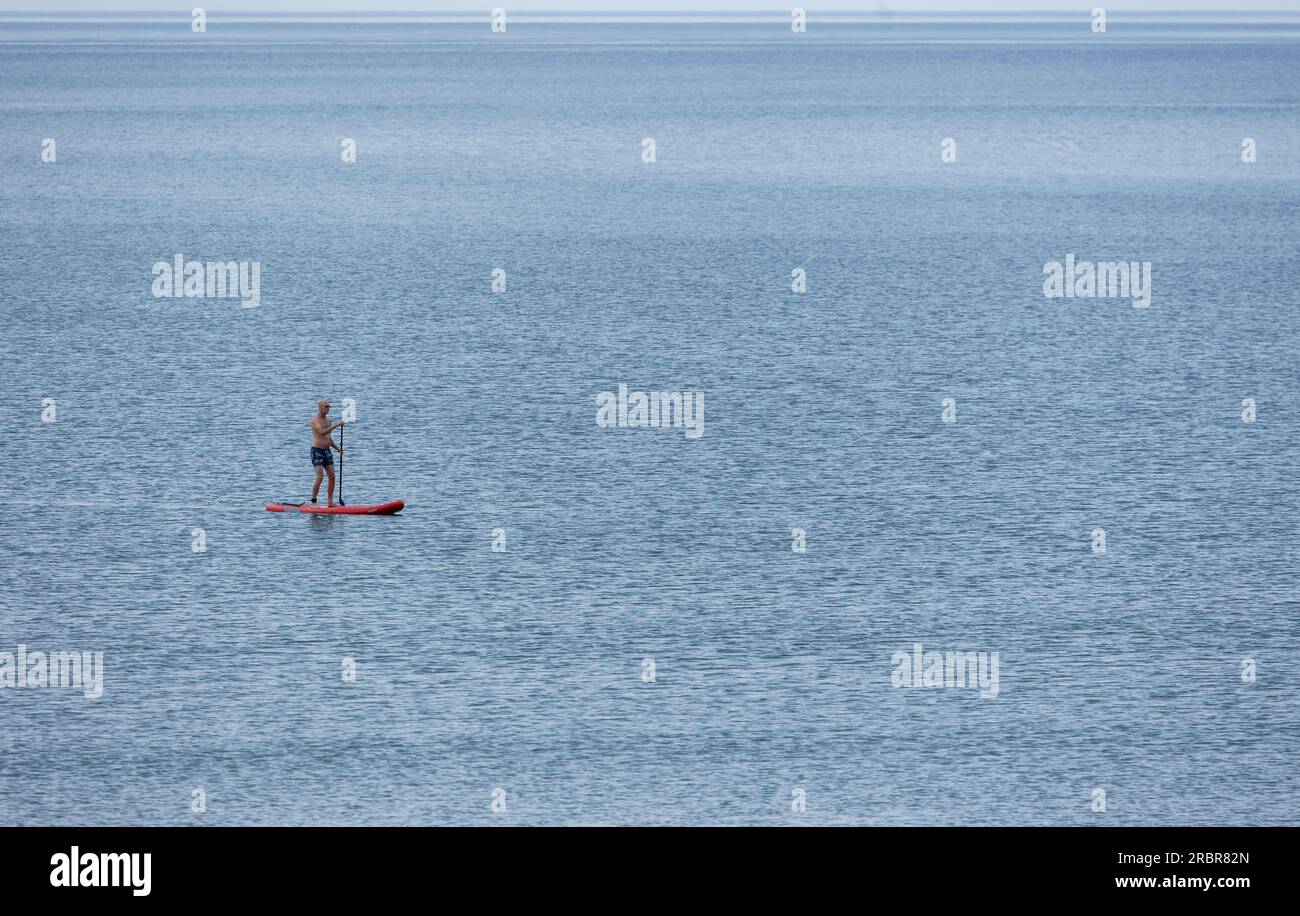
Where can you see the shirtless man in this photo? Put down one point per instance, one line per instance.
(321, 443)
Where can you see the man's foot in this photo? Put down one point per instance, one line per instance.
(329, 505)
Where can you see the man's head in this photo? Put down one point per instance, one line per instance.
(324, 408)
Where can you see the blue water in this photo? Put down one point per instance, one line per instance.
(522, 671)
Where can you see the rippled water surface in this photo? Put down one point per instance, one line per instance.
(525, 670)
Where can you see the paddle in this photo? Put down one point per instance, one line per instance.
(341, 502)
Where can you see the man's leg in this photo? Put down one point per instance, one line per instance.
(330, 471)
(316, 487)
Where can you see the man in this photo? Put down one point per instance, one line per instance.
(321, 443)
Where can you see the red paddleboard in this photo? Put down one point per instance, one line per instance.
(381, 509)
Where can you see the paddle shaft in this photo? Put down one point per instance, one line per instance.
(341, 502)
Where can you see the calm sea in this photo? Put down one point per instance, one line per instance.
(650, 647)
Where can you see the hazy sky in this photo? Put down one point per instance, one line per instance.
(523, 6)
